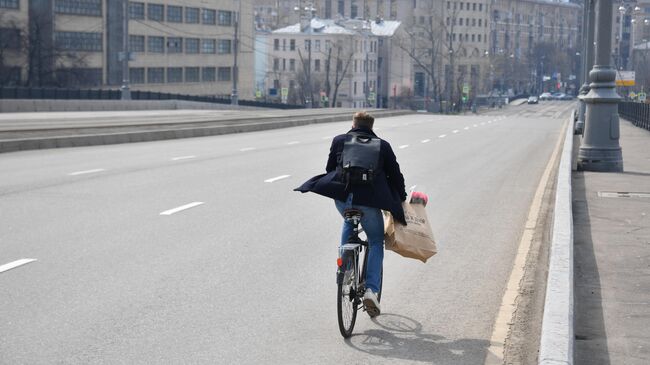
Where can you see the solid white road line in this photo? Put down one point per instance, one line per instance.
(425, 141)
(246, 149)
(403, 146)
(454, 131)
(85, 172)
(442, 136)
(274, 179)
(182, 158)
(293, 142)
(181, 208)
(15, 264)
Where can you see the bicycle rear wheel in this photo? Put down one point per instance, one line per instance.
(346, 309)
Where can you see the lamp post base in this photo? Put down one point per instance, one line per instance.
(600, 149)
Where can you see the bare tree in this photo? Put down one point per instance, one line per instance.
(12, 45)
(341, 62)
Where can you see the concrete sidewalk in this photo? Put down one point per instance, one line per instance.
(612, 258)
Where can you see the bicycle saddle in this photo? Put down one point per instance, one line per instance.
(352, 213)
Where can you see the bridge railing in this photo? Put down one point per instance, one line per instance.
(637, 113)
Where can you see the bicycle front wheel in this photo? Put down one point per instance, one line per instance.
(346, 308)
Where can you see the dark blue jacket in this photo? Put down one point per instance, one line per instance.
(387, 192)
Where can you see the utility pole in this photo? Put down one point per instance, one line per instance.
(125, 88)
(600, 149)
(234, 97)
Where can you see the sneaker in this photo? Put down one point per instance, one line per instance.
(371, 303)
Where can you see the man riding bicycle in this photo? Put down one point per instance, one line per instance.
(382, 188)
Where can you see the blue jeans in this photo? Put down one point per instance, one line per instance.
(373, 224)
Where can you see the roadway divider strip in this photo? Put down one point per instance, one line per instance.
(104, 138)
(557, 338)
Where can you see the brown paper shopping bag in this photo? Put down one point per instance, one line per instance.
(415, 240)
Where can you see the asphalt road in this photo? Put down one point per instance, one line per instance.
(248, 277)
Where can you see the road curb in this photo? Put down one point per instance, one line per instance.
(174, 133)
(557, 338)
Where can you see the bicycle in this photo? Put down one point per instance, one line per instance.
(351, 275)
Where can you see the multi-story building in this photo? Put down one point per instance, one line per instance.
(176, 46)
(532, 42)
(463, 48)
(345, 63)
(631, 25)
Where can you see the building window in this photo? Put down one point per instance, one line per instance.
(317, 65)
(174, 45)
(9, 4)
(191, 45)
(78, 41)
(155, 75)
(223, 74)
(473, 38)
(174, 74)
(355, 88)
(473, 6)
(317, 45)
(284, 44)
(354, 11)
(136, 11)
(155, 12)
(191, 74)
(479, 37)
(276, 64)
(209, 16)
(10, 38)
(192, 15)
(155, 44)
(292, 64)
(174, 14)
(136, 75)
(136, 43)
(480, 21)
(207, 45)
(276, 44)
(284, 64)
(307, 44)
(225, 17)
(78, 7)
(292, 45)
(224, 46)
(480, 7)
(209, 74)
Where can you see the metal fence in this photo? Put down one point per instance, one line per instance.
(107, 94)
(637, 113)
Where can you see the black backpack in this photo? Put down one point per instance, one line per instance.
(359, 161)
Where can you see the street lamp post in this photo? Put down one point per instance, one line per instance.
(234, 96)
(600, 149)
(587, 61)
(125, 88)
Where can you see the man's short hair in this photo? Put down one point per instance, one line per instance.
(363, 119)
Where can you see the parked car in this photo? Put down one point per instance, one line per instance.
(558, 96)
(546, 96)
(533, 100)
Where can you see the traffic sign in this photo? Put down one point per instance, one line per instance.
(371, 96)
(625, 78)
(284, 91)
(642, 96)
(258, 94)
(465, 89)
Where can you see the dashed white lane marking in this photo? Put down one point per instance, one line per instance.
(454, 131)
(181, 208)
(246, 149)
(293, 142)
(442, 136)
(413, 188)
(489, 121)
(85, 172)
(274, 179)
(475, 125)
(403, 146)
(466, 128)
(182, 158)
(425, 141)
(328, 137)
(482, 123)
(15, 264)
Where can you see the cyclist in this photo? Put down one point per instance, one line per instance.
(386, 192)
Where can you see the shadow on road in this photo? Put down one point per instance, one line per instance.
(401, 337)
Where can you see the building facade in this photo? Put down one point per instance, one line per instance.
(174, 46)
(344, 63)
